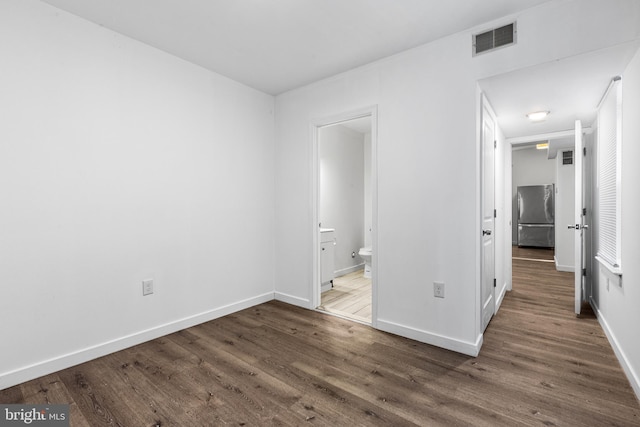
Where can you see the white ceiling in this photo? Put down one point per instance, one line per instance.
(278, 45)
(570, 89)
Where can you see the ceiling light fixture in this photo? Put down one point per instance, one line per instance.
(538, 116)
(542, 145)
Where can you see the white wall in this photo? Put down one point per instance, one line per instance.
(617, 306)
(119, 163)
(530, 166)
(565, 208)
(428, 225)
(341, 153)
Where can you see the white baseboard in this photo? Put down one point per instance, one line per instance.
(293, 300)
(567, 268)
(464, 347)
(500, 297)
(345, 271)
(27, 373)
(632, 375)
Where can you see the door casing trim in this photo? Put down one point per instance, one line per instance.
(315, 125)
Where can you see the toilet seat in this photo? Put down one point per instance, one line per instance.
(365, 251)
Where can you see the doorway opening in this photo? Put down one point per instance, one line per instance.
(542, 198)
(559, 161)
(546, 231)
(345, 216)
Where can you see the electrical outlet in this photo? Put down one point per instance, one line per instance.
(438, 289)
(147, 287)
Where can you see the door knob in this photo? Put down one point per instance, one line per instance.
(578, 227)
(486, 232)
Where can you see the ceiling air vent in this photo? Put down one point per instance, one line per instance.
(493, 39)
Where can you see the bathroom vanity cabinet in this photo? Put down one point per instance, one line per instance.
(327, 257)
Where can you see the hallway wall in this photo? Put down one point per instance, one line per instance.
(617, 305)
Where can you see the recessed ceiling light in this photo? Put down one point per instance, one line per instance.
(538, 116)
(542, 145)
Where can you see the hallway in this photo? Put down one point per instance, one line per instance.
(565, 362)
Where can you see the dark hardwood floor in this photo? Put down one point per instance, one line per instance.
(275, 364)
(529, 253)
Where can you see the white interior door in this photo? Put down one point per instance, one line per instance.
(579, 219)
(488, 217)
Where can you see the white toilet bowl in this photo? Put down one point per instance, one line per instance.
(365, 254)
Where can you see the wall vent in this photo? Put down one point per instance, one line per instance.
(493, 39)
(567, 157)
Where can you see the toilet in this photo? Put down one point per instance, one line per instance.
(365, 254)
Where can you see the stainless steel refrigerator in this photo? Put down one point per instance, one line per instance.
(536, 222)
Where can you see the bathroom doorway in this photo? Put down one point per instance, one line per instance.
(344, 151)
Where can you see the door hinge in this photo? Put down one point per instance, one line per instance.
(495, 213)
(495, 143)
(584, 272)
(584, 211)
(584, 151)
(494, 283)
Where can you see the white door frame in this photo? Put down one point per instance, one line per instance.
(514, 142)
(371, 111)
(578, 218)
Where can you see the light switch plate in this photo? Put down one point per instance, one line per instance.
(147, 287)
(438, 289)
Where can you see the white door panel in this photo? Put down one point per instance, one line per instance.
(488, 220)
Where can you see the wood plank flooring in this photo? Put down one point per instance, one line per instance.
(533, 254)
(350, 297)
(275, 364)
